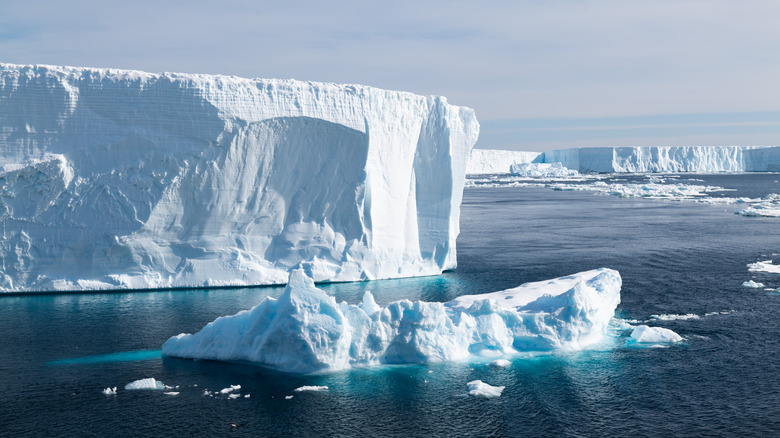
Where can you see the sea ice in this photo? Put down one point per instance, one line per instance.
(654, 335)
(234, 396)
(675, 317)
(230, 389)
(172, 393)
(764, 266)
(752, 284)
(110, 391)
(305, 330)
(124, 179)
(311, 388)
(148, 383)
(479, 388)
(500, 363)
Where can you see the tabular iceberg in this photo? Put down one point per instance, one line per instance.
(305, 330)
(125, 179)
(668, 159)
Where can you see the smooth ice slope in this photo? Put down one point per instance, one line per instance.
(125, 179)
(487, 161)
(305, 330)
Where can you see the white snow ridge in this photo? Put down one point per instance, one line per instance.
(113, 179)
(305, 330)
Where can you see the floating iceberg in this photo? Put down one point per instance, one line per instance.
(110, 391)
(764, 266)
(495, 161)
(654, 335)
(148, 383)
(500, 363)
(478, 388)
(311, 388)
(658, 159)
(752, 284)
(125, 179)
(305, 330)
(543, 170)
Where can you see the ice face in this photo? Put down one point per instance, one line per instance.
(125, 179)
(544, 170)
(495, 161)
(305, 330)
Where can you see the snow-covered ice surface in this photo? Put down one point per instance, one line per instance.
(654, 335)
(496, 161)
(148, 383)
(546, 170)
(305, 330)
(124, 179)
(478, 388)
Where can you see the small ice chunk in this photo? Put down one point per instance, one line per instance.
(171, 393)
(654, 335)
(231, 389)
(247, 396)
(206, 392)
(148, 383)
(674, 317)
(311, 388)
(479, 388)
(234, 396)
(500, 363)
(110, 391)
(752, 284)
(764, 266)
(288, 397)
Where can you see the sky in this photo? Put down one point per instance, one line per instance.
(540, 74)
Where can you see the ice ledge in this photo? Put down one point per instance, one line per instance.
(305, 330)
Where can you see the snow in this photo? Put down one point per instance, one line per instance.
(305, 330)
(500, 363)
(654, 335)
(764, 266)
(544, 170)
(148, 383)
(311, 388)
(114, 179)
(479, 388)
(752, 284)
(496, 161)
(110, 391)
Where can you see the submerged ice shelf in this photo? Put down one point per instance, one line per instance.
(124, 179)
(305, 330)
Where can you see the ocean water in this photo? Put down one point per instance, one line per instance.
(58, 352)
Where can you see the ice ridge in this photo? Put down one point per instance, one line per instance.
(125, 179)
(305, 330)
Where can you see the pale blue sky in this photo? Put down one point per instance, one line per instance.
(540, 74)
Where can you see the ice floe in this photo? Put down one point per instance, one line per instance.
(110, 391)
(752, 284)
(765, 266)
(674, 317)
(478, 388)
(311, 388)
(654, 335)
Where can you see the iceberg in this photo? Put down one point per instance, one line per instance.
(116, 179)
(654, 335)
(306, 331)
(497, 161)
(148, 383)
(752, 284)
(478, 388)
(650, 159)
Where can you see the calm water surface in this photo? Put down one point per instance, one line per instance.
(59, 351)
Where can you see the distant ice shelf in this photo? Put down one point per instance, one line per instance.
(652, 159)
(305, 330)
(113, 179)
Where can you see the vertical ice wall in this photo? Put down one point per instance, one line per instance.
(116, 179)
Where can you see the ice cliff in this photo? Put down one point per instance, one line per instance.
(126, 179)
(670, 159)
(305, 330)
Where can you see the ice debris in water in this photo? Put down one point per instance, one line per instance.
(172, 393)
(230, 389)
(674, 317)
(541, 170)
(764, 266)
(479, 388)
(753, 284)
(500, 363)
(654, 335)
(110, 391)
(148, 383)
(305, 330)
(311, 388)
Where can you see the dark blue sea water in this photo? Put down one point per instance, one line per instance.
(59, 351)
